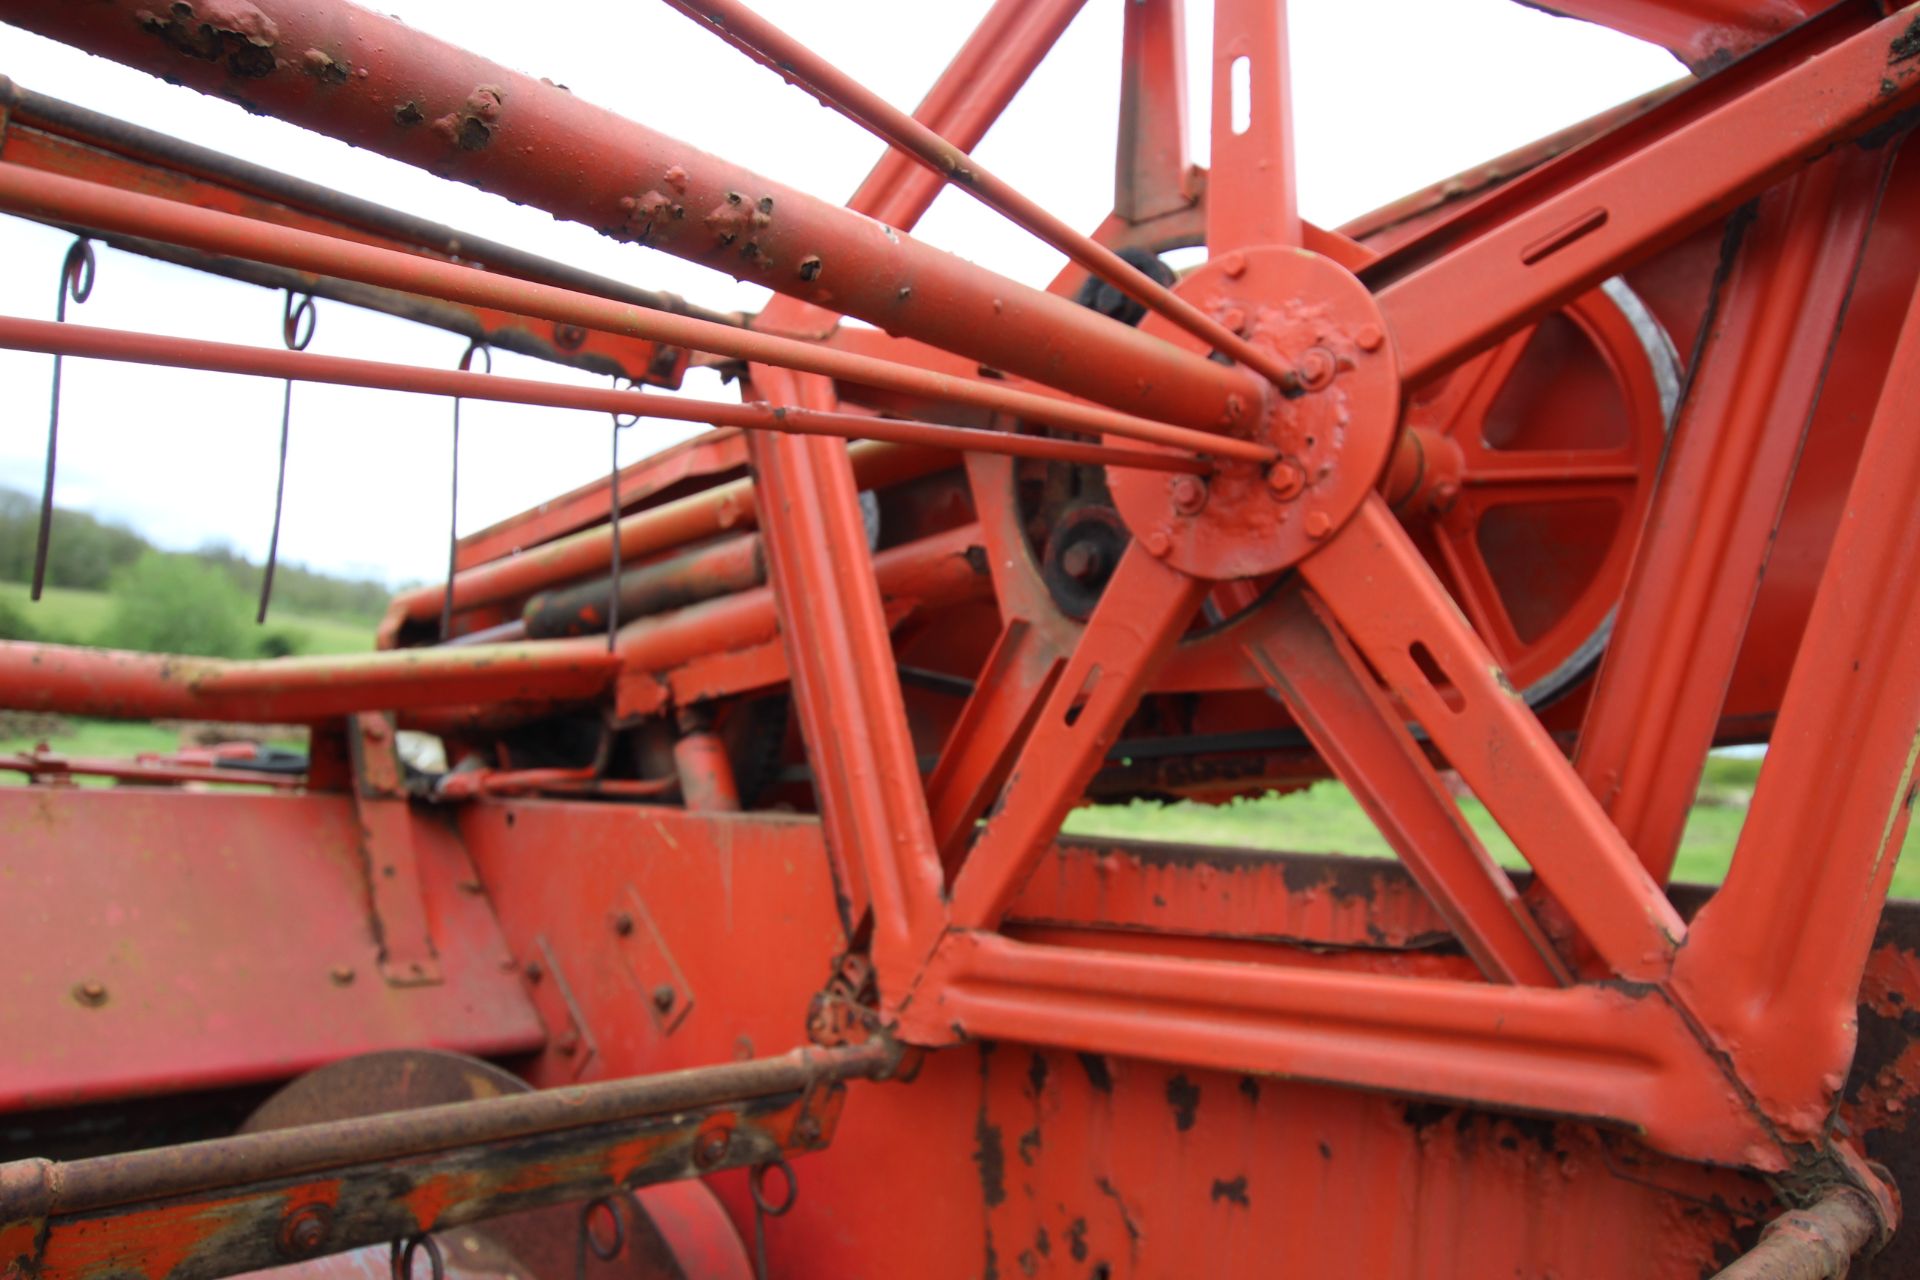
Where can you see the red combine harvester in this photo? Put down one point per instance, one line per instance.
(739, 937)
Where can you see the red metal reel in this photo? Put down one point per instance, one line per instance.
(1250, 520)
(1524, 476)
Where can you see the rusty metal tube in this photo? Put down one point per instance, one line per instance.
(148, 686)
(40, 1188)
(698, 515)
(1815, 1243)
(425, 102)
(938, 570)
(737, 564)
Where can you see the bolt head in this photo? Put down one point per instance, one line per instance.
(1234, 264)
(90, 994)
(664, 996)
(622, 923)
(1316, 368)
(712, 1146)
(1369, 337)
(1318, 524)
(535, 971)
(568, 1044)
(342, 975)
(1158, 543)
(1286, 480)
(1189, 494)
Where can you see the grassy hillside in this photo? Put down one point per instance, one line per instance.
(1325, 819)
(78, 617)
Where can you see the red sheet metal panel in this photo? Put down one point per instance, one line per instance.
(160, 940)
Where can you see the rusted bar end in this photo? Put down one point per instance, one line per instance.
(1814, 1243)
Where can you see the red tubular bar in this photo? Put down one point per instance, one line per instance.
(429, 103)
(53, 197)
(146, 686)
(968, 97)
(300, 366)
(698, 515)
(773, 48)
(933, 571)
(847, 692)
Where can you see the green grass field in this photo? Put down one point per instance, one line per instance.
(77, 617)
(1324, 819)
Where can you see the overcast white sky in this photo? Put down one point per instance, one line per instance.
(1389, 96)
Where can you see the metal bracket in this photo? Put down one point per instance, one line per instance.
(668, 997)
(567, 1033)
(407, 954)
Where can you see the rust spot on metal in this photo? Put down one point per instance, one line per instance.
(1183, 1095)
(319, 64)
(218, 30)
(408, 114)
(1232, 1190)
(1906, 44)
(736, 216)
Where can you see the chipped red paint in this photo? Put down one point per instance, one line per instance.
(828, 751)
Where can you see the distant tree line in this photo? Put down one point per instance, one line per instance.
(85, 553)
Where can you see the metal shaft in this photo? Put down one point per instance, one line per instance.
(426, 102)
(53, 197)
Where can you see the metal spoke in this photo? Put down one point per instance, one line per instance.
(765, 43)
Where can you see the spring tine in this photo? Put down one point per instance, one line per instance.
(296, 330)
(77, 273)
(453, 497)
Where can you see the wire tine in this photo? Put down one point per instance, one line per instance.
(620, 422)
(296, 331)
(453, 496)
(77, 272)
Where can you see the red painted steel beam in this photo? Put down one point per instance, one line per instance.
(847, 691)
(1773, 966)
(1363, 737)
(1146, 607)
(52, 197)
(146, 686)
(1386, 599)
(1251, 193)
(1704, 34)
(1591, 1051)
(428, 103)
(302, 366)
(1683, 616)
(964, 102)
(774, 49)
(1150, 176)
(1571, 224)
